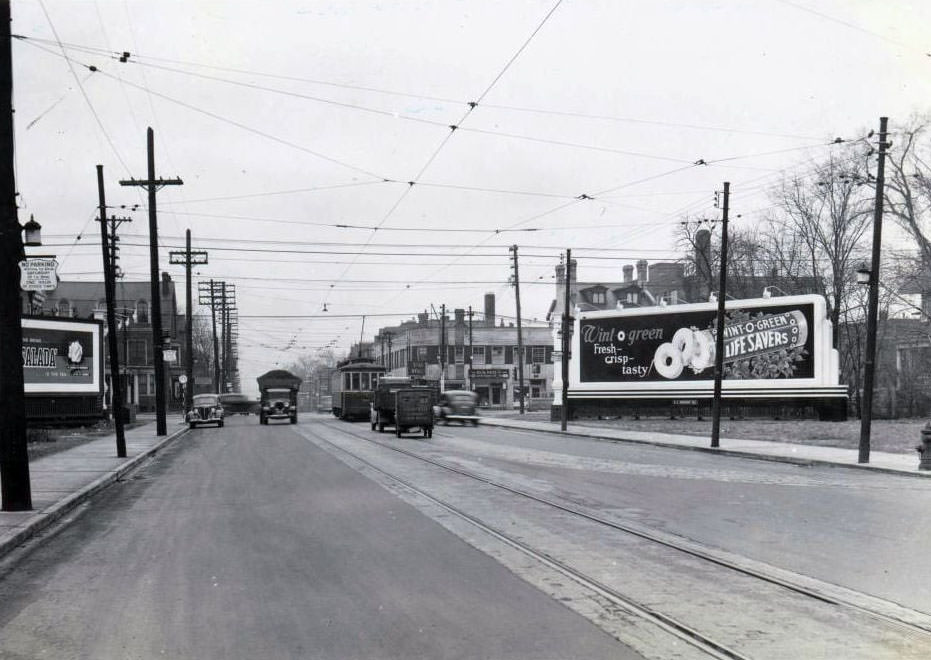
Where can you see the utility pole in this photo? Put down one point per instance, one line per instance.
(108, 245)
(158, 340)
(188, 258)
(443, 348)
(719, 336)
(520, 339)
(203, 299)
(866, 418)
(224, 367)
(470, 348)
(14, 459)
(567, 321)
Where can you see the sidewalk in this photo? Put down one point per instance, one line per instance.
(906, 464)
(61, 481)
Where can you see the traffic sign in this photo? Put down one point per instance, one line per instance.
(182, 379)
(38, 274)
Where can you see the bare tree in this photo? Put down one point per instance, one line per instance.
(821, 223)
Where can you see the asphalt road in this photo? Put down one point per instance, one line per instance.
(251, 542)
(864, 531)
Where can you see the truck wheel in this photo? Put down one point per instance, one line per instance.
(381, 427)
(373, 426)
(220, 424)
(192, 425)
(397, 431)
(474, 422)
(294, 420)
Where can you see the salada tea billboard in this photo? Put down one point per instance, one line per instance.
(768, 342)
(62, 356)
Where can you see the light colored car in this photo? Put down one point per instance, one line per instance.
(206, 409)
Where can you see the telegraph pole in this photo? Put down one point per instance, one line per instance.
(520, 340)
(470, 347)
(158, 340)
(212, 301)
(14, 459)
(443, 347)
(866, 418)
(224, 374)
(566, 344)
(188, 258)
(719, 337)
(108, 245)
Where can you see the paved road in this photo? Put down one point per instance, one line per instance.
(251, 542)
(863, 530)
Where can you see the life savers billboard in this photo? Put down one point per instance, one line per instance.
(62, 356)
(765, 340)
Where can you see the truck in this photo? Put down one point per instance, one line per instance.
(414, 409)
(278, 395)
(383, 401)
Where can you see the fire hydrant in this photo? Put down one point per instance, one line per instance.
(924, 449)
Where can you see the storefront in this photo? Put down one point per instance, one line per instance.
(491, 386)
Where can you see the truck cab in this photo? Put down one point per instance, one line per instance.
(278, 398)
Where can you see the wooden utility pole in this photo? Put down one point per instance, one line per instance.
(719, 336)
(203, 299)
(469, 387)
(567, 321)
(866, 417)
(188, 258)
(520, 339)
(158, 340)
(14, 459)
(443, 347)
(108, 246)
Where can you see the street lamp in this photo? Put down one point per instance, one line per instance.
(32, 233)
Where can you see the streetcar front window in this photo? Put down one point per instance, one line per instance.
(366, 384)
(355, 382)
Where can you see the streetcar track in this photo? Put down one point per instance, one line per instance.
(807, 591)
(677, 628)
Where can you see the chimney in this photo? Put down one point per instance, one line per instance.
(460, 316)
(489, 310)
(642, 275)
(628, 273)
(422, 318)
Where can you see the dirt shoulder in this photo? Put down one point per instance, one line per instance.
(899, 436)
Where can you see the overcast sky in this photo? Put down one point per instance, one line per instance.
(579, 120)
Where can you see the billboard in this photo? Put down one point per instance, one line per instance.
(770, 344)
(62, 356)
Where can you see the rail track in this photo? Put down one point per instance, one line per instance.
(912, 624)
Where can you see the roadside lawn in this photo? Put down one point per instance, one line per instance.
(899, 436)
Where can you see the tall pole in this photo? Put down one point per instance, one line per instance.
(188, 322)
(188, 258)
(443, 348)
(520, 339)
(469, 387)
(866, 418)
(158, 340)
(109, 283)
(566, 344)
(719, 335)
(224, 319)
(216, 342)
(14, 459)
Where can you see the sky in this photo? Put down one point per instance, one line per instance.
(379, 158)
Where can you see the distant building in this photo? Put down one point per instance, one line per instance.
(476, 354)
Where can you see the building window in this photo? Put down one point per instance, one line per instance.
(137, 352)
(422, 353)
(64, 308)
(538, 354)
(632, 298)
(598, 297)
(142, 312)
(459, 354)
(478, 355)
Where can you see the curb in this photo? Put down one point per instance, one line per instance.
(805, 462)
(41, 520)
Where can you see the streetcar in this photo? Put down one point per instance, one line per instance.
(352, 388)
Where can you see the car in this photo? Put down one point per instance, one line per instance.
(206, 409)
(457, 405)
